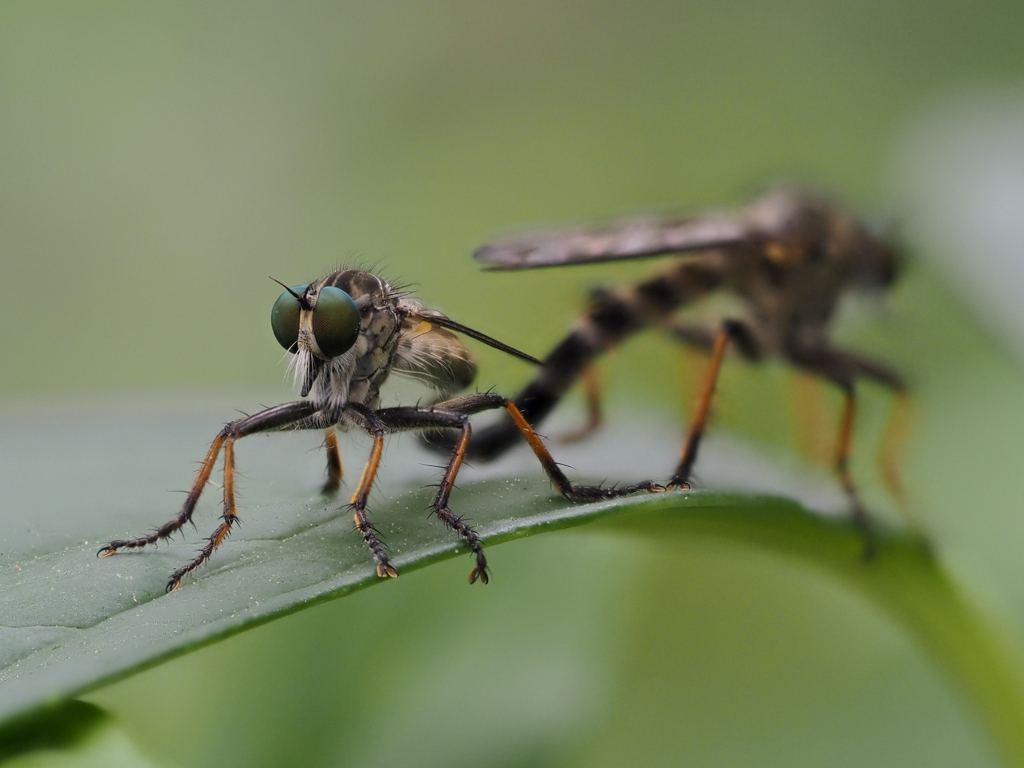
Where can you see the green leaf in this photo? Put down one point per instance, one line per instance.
(60, 726)
(72, 622)
(70, 733)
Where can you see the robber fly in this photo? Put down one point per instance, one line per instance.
(789, 256)
(347, 333)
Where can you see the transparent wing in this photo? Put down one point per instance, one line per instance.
(635, 239)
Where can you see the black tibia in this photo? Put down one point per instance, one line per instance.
(295, 415)
(611, 318)
(843, 369)
(744, 338)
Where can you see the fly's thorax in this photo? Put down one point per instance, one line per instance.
(378, 335)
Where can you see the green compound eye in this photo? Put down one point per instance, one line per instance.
(284, 318)
(335, 322)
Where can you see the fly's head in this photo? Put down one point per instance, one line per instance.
(349, 331)
(874, 258)
(882, 263)
(339, 328)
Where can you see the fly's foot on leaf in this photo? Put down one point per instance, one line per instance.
(469, 536)
(374, 544)
(601, 492)
(174, 583)
(118, 544)
(480, 572)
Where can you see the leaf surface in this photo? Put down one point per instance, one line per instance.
(71, 622)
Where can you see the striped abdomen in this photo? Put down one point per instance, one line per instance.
(611, 318)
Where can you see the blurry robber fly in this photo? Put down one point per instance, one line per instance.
(348, 332)
(789, 256)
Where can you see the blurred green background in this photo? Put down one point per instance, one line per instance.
(159, 161)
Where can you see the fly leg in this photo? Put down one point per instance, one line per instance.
(894, 443)
(554, 472)
(743, 337)
(334, 469)
(843, 369)
(299, 414)
(455, 413)
(894, 439)
(813, 423)
(368, 420)
(592, 393)
(842, 465)
(184, 517)
(694, 335)
(450, 519)
(451, 414)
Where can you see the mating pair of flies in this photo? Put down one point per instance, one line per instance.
(788, 257)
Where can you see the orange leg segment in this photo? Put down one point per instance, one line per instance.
(894, 443)
(335, 471)
(229, 518)
(185, 516)
(359, 499)
(558, 477)
(592, 393)
(680, 479)
(299, 414)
